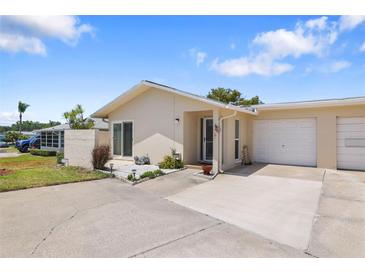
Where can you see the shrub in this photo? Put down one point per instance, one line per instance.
(60, 156)
(42, 152)
(100, 156)
(170, 162)
(149, 174)
(130, 177)
(158, 172)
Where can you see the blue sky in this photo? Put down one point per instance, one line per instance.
(55, 63)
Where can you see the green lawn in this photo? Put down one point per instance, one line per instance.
(28, 171)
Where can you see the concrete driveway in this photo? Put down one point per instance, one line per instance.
(270, 206)
(107, 218)
(276, 202)
(339, 228)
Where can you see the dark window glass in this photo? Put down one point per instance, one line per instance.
(127, 138)
(237, 129)
(236, 149)
(117, 139)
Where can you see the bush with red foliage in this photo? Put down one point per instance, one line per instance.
(100, 156)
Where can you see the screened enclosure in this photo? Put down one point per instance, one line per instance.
(52, 140)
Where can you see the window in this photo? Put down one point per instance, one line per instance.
(52, 139)
(43, 139)
(62, 138)
(237, 139)
(55, 138)
(49, 139)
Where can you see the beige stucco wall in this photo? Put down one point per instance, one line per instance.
(79, 145)
(155, 132)
(326, 127)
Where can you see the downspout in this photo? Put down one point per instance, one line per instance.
(221, 140)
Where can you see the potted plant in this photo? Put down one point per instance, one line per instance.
(207, 169)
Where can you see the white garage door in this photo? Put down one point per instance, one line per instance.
(285, 141)
(351, 143)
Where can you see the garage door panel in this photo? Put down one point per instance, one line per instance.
(351, 143)
(350, 120)
(351, 128)
(354, 134)
(353, 165)
(285, 141)
(350, 151)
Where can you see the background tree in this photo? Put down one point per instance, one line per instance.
(12, 136)
(75, 118)
(22, 107)
(232, 96)
(28, 126)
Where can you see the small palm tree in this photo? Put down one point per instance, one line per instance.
(22, 107)
(75, 118)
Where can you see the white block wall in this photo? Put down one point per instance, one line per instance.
(79, 145)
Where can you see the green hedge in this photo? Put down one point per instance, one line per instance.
(42, 152)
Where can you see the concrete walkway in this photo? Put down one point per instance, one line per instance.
(4, 153)
(174, 183)
(278, 208)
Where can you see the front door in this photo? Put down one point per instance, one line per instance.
(208, 139)
(123, 139)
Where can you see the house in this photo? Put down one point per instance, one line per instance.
(52, 138)
(151, 118)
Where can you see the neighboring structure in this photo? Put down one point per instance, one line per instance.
(52, 138)
(151, 119)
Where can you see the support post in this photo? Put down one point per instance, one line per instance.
(216, 129)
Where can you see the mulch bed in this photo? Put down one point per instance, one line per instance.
(4, 171)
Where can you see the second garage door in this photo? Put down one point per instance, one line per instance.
(351, 143)
(285, 141)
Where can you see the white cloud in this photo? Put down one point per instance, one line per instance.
(8, 118)
(338, 65)
(270, 49)
(198, 56)
(232, 46)
(313, 37)
(15, 43)
(244, 66)
(349, 22)
(330, 67)
(25, 33)
(362, 48)
(318, 23)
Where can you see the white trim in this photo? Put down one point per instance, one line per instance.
(311, 104)
(121, 145)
